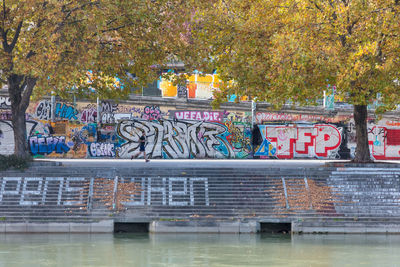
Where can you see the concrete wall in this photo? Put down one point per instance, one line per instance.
(348, 199)
(106, 226)
(191, 129)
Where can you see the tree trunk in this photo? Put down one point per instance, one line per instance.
(20, 89)
(362, 148)
(19, 127)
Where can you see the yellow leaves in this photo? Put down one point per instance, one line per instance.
(365, 49)
(282, 49)
(60, 40)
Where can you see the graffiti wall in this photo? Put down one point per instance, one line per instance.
(112, 130)
(185, 139)
(316, 136)
(286, 142)
(85, 130)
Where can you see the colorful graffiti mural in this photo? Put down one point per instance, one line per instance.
(77, 131)
(178, 139)
(286, 142)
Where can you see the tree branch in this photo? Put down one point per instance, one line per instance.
(4, 12)
(5, 43)
(16, 36)
(69, 13)
(118, 28)
(111, 21)
(379, 45)
(3, 31)
(317, 6)
(30, 54)
(29, 84)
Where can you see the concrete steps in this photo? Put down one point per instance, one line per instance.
(304, 196)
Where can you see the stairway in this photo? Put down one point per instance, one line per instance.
(367, 200)
(329, 197)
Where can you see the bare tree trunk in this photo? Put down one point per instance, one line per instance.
(360, 120)
(19, 127)
(20, 89)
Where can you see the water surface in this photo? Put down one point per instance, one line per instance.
(198, 250)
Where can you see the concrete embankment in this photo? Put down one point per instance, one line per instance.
(201, 196)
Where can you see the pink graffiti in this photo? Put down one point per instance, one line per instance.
(88, 115)
(151, 113)
(199, 115)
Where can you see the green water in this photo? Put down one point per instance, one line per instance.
(198, 250)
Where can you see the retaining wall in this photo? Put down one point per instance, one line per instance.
(178, 129)
(238, 199)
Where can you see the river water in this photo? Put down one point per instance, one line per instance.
(198, 250)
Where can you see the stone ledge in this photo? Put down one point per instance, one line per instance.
(349, 164)
(350, 228)
(106, 226)
(235, 227)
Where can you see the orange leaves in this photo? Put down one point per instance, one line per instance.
(104, 192)
(295, 195)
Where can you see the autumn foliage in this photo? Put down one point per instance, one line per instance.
(287, 52)
(50, 45)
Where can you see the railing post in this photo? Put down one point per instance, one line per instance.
(308, 192)
(98, 118)
(115, 193)
(53, 106)
(90, 196)
(286, 194)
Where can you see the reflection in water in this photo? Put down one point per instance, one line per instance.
(198, 250)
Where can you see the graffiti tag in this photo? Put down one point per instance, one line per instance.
(102, 150)
(43, 110)
(66, 112)
(289, 141)
(47, 145)
(197, 115)
(5, 102)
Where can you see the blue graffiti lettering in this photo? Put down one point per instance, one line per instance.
(266, 149)
(47, 145)
(66, 112)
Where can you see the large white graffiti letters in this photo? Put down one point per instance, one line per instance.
(102, 150)
(171, 139)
